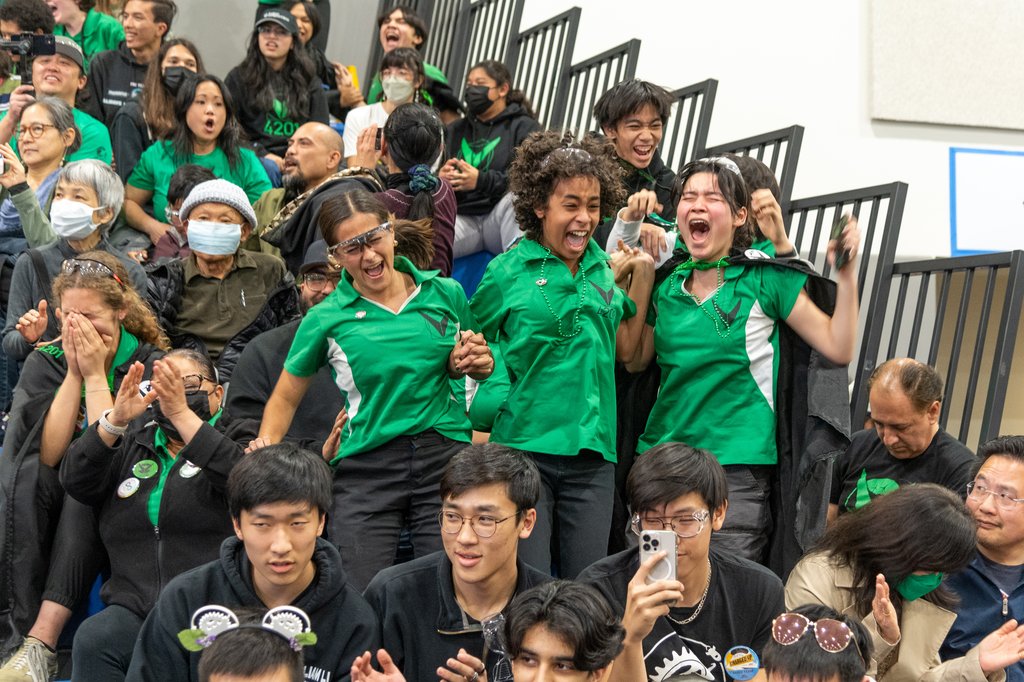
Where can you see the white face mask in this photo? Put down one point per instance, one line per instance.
(72, 219)
(214, 239)
(396, 89)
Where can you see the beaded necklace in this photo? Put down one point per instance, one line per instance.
(691, 264)
(576, 327)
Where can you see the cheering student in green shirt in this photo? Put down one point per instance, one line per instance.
(92, 30)
(555, 308)
(394, 336)
(713, 326)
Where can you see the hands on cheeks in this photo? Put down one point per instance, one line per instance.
(471, 356)
(645, 603)
(362, 670)
(169, 387)
(32, 325)
(90, 347)
(333, 442)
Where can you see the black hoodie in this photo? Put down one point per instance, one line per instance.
(270, 131)
(114, 78)
(488, 146)
(344, 623)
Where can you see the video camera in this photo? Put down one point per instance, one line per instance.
(28, 46)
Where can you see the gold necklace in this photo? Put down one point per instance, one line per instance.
(700, 604)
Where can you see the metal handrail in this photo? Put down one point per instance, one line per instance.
(589, 79)
(542, 61)
(779, 150)
(686, 132)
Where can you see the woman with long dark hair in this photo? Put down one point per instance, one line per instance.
(276, 87)
(480, 149)
(885, 564)
(410, 146)
(150, 116)
(206, 134)
(401, 72)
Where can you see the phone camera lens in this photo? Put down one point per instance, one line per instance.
(647, 547)
(646, 537)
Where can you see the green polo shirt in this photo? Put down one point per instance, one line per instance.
(217, 309)
(391, 368)
(718, 385)
(95, 139)
(100, 32)
(156, 166)
(562, 394)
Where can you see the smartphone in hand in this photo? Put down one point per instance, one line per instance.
(654, 541)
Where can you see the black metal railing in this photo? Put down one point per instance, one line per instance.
(589, 79)
(487, 30)
(961, 316)
(879, 211)
(779, 150)
(541, 67)
(686, 131)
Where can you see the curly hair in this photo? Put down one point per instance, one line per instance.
(139, 320)
(545, 158)
(919, 527)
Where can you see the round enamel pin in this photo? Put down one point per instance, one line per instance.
(145, 468)
(541, 282)
(741, 663)
(128, 487)
(188, 470)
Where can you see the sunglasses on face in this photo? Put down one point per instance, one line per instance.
(351, 247)
(86, 266)
(832, 635)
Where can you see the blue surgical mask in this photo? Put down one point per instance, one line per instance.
(214, 239)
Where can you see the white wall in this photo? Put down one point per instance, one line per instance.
(781, 63)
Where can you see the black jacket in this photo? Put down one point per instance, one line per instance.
(421, 623)
(130, 136)
(488, 146)
(267, 131)
(657, 177)
(256, 374)
(165, 290)
(295, 227)
(114, 78)
(193, 517)
(344, 623)
(30, 494)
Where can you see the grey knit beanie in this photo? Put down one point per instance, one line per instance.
(219, 192)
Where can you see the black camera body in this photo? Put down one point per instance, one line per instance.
(28, 46)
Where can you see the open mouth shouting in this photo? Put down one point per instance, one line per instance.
(392, 38)
(374, 272)
(576, 240)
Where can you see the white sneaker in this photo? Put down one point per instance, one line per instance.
(32, 662)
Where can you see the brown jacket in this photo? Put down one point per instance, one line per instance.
(923, 627)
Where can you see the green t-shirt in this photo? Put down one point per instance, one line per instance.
(95, 139)
(429, 70)
(718, 384)
(157, 164)
(100, 32)
(562, 395)
(391, 368)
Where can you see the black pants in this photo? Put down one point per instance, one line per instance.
(748, 522)
(378, 492)
(104, 644)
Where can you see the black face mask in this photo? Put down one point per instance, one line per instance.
(476, 99)
(198, 403)
(174, 76)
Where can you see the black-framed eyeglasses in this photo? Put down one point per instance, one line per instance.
(832, 635)
(87, 266)
(35, 130)
(979, 491)
(683, 525)
(317, 281)
(351, 247)
(483, 525)
(194, 383)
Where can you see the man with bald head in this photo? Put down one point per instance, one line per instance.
(314, 154)
(906, 443)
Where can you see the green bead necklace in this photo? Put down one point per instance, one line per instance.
(701, 265)
(576, 327)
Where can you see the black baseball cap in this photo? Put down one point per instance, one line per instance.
(283, 19)
(316, 258)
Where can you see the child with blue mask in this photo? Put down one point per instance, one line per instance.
(220, 296)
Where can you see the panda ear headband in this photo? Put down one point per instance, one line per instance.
(209, 622)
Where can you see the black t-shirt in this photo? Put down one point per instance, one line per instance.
(867, 470)
(742, 600)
